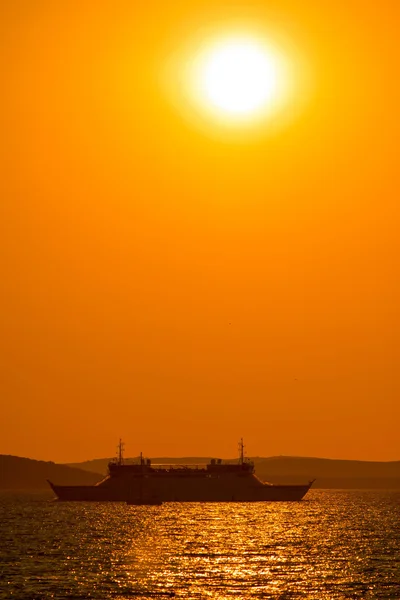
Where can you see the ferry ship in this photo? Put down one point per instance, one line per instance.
(147, 483)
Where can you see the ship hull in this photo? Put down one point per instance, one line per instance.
(248, 489)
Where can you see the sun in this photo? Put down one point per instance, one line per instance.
(238, 77)
(238, 82)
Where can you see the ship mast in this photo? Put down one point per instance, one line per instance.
(120, 450)
(241, 451)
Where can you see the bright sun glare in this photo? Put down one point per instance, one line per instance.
(238, 76)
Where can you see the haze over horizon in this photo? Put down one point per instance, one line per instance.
(177, 280)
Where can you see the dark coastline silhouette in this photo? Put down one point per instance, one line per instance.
(18, 473)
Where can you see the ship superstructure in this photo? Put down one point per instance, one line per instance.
(217, 481)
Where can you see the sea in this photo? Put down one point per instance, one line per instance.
(332, 545)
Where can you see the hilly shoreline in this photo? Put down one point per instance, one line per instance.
(25, 474)
(18, 473)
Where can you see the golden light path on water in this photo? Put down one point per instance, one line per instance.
(260, 550)
(331, 546)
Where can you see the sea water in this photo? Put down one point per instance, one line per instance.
(332, 545)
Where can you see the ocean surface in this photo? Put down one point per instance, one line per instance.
(333, 544)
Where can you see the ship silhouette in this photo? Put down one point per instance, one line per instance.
(145, 483)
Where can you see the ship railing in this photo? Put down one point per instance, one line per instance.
(178, 466)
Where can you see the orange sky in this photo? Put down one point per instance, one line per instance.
(181, 287)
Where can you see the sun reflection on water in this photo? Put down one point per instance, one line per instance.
(331, 546)
(241, 550)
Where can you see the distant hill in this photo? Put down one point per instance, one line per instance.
(18, 473)
(329, 473)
